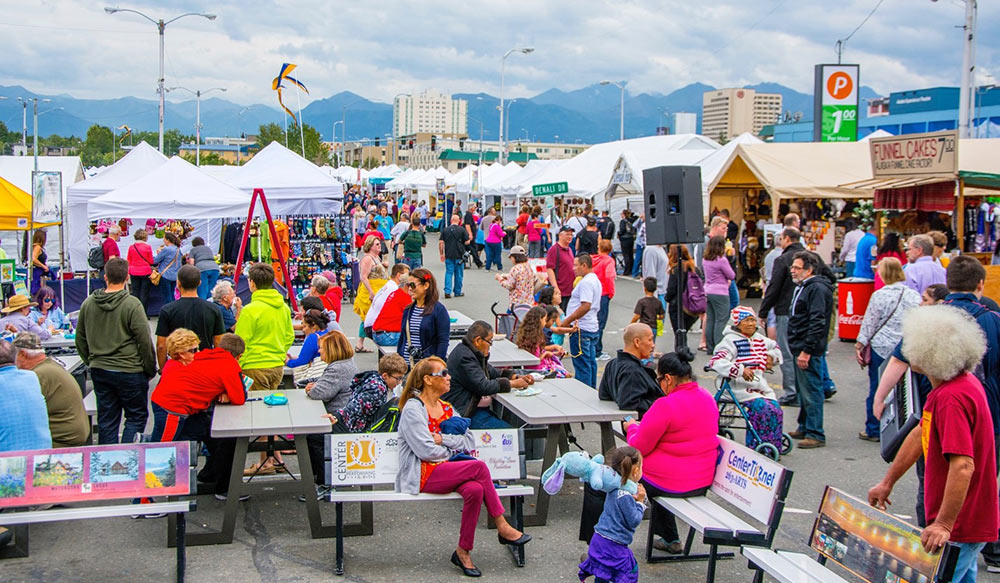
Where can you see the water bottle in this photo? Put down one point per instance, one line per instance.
(850, 303)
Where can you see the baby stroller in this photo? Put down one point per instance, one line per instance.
(732, 415)
(506, 322)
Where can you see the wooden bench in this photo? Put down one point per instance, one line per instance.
(86, 477)
(745, 480)
(367, 460)
(870, 544)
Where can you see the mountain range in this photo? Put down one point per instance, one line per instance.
(588, 115)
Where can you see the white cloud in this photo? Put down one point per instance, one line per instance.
(381, 49)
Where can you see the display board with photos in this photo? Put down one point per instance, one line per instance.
(103, 472)
(873, 544)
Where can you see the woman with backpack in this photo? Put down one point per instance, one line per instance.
(684, 301)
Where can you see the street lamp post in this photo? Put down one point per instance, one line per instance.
(506, 129)
(621, 122)
(197, 124)
(503, 62)
(24, 124)
(239, 133)
(160, 26)
(339, 159)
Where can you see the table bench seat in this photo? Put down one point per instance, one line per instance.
(706, 516)
(790, 567)
(87, 512)
(392, 496)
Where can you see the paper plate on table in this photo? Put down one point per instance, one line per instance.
(527, 392)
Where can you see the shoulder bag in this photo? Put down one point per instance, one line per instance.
(155, 276)
(865, 354)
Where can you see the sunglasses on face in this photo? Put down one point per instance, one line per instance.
(441, 373)
(47, 301)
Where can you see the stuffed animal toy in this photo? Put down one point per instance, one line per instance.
(590, 470)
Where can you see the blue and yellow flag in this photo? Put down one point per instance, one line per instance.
(276, 84)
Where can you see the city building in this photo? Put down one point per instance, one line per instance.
(727, 113)
(679, 123)
(428, 112)
(365, 153)
(427, 150)
(913, 112)
(228, 153)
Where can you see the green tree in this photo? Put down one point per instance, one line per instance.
(316, 151)
(208, 159)
(7, 138)
(172, 140)
(97, 144)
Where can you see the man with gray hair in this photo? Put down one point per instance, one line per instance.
(331, 295)
(474, 381)
(68, 424)
(110, 245)
(24, 421)
(922, 271)
(230, 304)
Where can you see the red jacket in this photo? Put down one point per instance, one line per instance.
(391, 317)
(604, 268)
(522, 223)
(193, 388)
(333, 300)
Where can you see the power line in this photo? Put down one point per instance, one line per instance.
(843, 41)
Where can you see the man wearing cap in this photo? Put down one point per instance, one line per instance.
(16, 317)
(559, 265)
(68, 422)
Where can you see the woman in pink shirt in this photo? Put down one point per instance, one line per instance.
(718, 275)
(678, 442)
(140, 265)
(494, 244)
(534, 235)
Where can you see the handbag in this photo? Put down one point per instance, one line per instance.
(865, 354)
(155, 276)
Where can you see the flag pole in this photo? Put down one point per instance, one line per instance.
(302, 135)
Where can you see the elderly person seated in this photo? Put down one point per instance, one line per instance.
(678, 442)
(230, 304)
(626, 381)
(68, 423)
(475, 381)
(331, 295)
(430, 458)
(24, 420)
(17, 317)
(955, 436)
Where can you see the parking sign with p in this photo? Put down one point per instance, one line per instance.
(836, 103)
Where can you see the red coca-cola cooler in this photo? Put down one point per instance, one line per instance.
(853, 294)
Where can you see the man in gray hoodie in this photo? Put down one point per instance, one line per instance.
(113, 339)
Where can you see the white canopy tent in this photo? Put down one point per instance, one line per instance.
(175, 189)
(292, 184)
(400, 182)
(141, 160)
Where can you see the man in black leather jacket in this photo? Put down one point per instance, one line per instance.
(626, 381)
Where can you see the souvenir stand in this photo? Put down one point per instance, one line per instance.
(318, 244)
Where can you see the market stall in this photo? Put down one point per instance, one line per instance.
(293, 184)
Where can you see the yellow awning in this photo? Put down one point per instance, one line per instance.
(15, 208)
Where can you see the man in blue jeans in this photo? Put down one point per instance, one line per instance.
(452, 244)
(113, 339)
(808, 324)
(584, 304)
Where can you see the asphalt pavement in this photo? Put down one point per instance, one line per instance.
(413, 541)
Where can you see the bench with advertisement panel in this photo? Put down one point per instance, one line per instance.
(747, 481)
(85, 478)
(369, 460)
(869, 543)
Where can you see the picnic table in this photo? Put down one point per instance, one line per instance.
(561, 402)
(459, 322)
(504, 354)
(59, 341)
(301, 416)
(71, 362)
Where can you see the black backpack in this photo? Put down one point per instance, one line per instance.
(387, 417)
(95, 257)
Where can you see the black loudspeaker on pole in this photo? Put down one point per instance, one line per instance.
(673, 205)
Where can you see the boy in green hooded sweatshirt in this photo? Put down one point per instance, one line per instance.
(265, 325)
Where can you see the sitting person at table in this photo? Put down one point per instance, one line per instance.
(530, 337)
(193, 381)
(425, 459)
(678, 442)
(426, 324)
(369, 391)
(331, 295)
(229, 304)
(475, 379)
(308, 366)
(385, 316)
(17, 317)
(314, 303)
(47, 314)
(626, 381)
(68, 423)
(24, 421)
(333, 387)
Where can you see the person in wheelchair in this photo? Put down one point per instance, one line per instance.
(742, 357)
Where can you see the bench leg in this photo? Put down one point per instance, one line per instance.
(339, 570)
(517, 510)
(181, 547)
(713, 552)
(18, 548)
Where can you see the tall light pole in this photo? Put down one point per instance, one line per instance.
(197, 124)
(506, 129)
(239, 135)
(503, 63)
(160, 26)
(621, 128)
(24, 124)
(339, 159)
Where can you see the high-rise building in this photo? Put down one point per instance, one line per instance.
(428, 112)
(679, 123)
(727, 113)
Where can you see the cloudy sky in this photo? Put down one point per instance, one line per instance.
(379, 49)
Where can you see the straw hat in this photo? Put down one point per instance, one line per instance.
(17, 302)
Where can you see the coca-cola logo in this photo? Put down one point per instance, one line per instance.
(853, 320)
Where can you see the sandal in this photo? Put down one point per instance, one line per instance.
(258, 470)
(363, 350)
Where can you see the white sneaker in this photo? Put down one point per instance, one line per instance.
(992, 568)
(224, 497)
(604, 356)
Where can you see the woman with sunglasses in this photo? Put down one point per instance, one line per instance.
(47, 314)
(426, 325)
(429, 458)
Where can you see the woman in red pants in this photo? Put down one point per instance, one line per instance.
(427, 459)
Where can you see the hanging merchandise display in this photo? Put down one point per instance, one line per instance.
(320, 244)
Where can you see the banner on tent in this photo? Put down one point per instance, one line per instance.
(46, 190)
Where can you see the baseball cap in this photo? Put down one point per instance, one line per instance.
(517, 250)
(565, 228)
(27, 341)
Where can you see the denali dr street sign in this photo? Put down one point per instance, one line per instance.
(550, 189)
